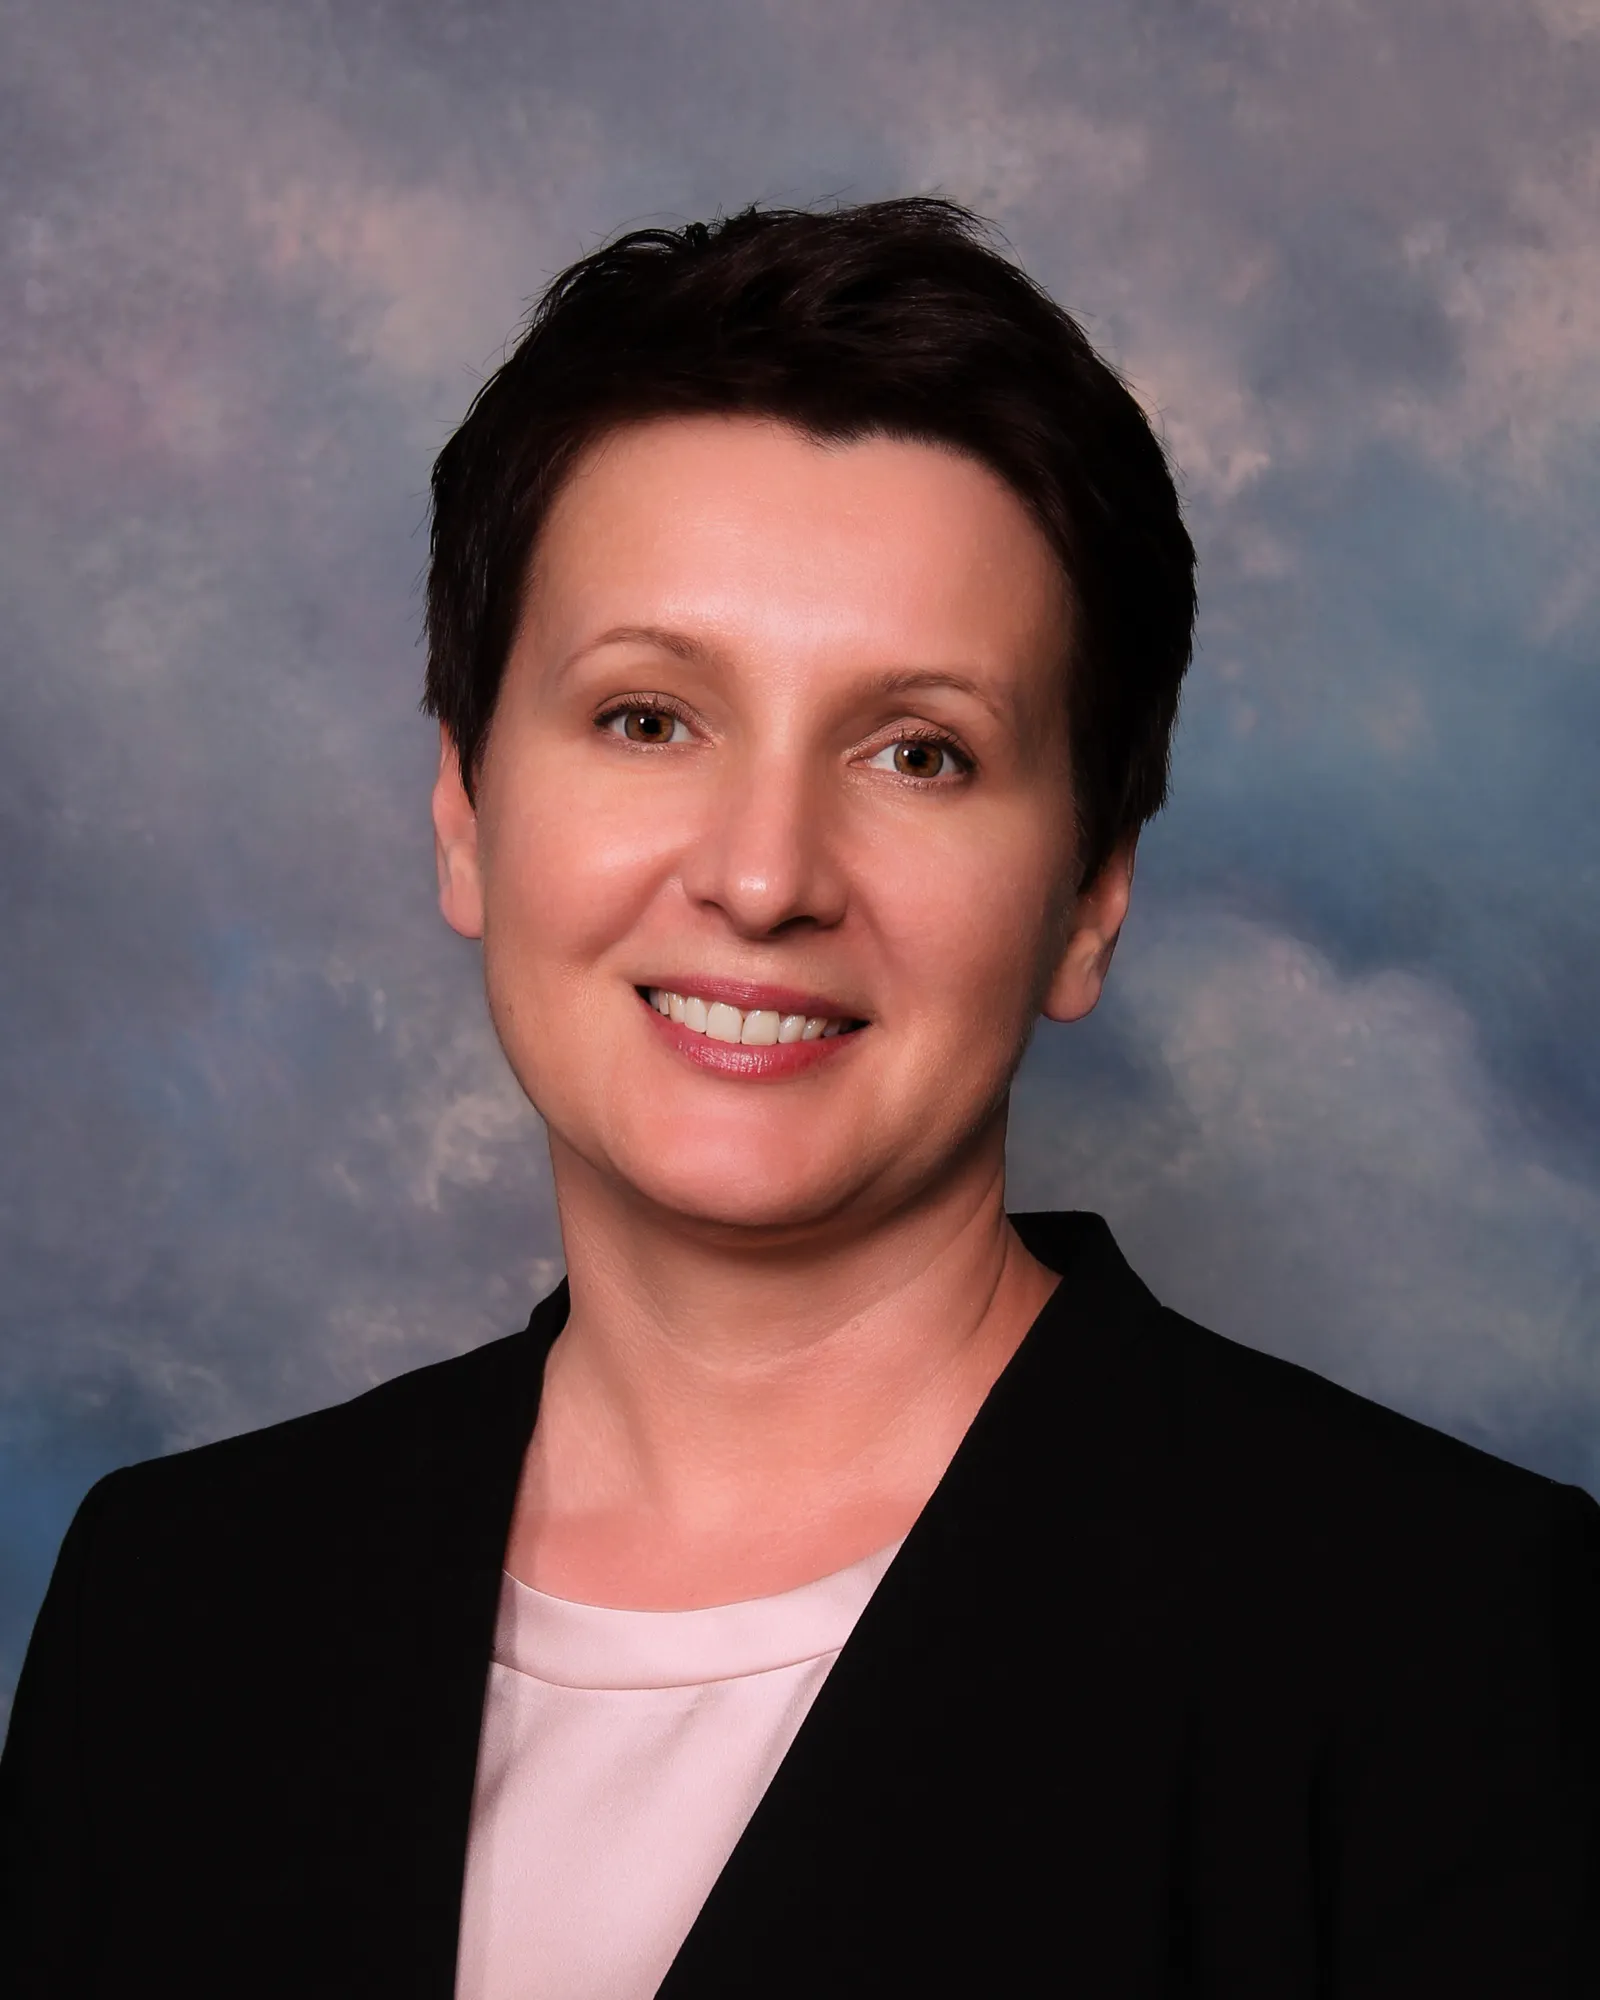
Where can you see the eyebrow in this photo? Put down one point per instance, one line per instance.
(903, 679)
(685, 646)
(682, 645)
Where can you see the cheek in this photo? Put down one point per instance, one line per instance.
(564, 877)
(965, 922)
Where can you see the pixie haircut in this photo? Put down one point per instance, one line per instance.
(893, 319)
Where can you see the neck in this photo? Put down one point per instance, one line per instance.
(726, 1418)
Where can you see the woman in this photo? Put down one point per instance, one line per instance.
(840, 1586)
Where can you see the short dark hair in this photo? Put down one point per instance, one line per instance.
(891, 318)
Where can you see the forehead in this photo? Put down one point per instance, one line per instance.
(749, 530)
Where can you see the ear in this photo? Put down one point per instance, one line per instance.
(455, 844)
(1092, 933)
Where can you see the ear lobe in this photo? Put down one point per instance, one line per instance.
(1092, 937)
(455, 845)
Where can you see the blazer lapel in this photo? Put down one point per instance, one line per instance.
(424, 1611)
(994, 1749)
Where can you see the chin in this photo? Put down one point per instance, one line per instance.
(725, 1193)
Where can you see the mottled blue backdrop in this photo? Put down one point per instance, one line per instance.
(1343, 1098)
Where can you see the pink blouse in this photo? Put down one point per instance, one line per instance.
(622, 1754)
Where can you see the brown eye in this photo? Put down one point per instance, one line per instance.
(647, 725)
(643, 725)
(915, 759)
(924, 757)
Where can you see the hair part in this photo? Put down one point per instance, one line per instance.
(889, 318)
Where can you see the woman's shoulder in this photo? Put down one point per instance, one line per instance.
(1260, 1462)
(423, 1442)
(1258, 1427)
(1310, 1519)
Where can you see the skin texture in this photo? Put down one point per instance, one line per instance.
(789, 1297)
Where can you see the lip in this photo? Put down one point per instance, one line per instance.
(746, 994)
(749, 1061)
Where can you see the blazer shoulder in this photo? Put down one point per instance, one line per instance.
(1304, 1460)
(388, 1432)
(1239, 1419)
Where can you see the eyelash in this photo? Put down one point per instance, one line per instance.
(664, 705)
(963, 763)
(651, 704)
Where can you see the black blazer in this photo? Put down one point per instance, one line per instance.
(1197, 1675)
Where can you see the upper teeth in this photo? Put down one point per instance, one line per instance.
(760, 1027)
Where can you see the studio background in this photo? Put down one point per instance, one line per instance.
(1342, 1098)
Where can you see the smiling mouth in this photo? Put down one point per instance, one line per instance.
(753, 1027)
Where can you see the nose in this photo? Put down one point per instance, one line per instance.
(766, 852)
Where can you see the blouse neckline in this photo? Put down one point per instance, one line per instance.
(566, 1644)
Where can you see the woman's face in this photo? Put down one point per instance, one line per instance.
(783, 728)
